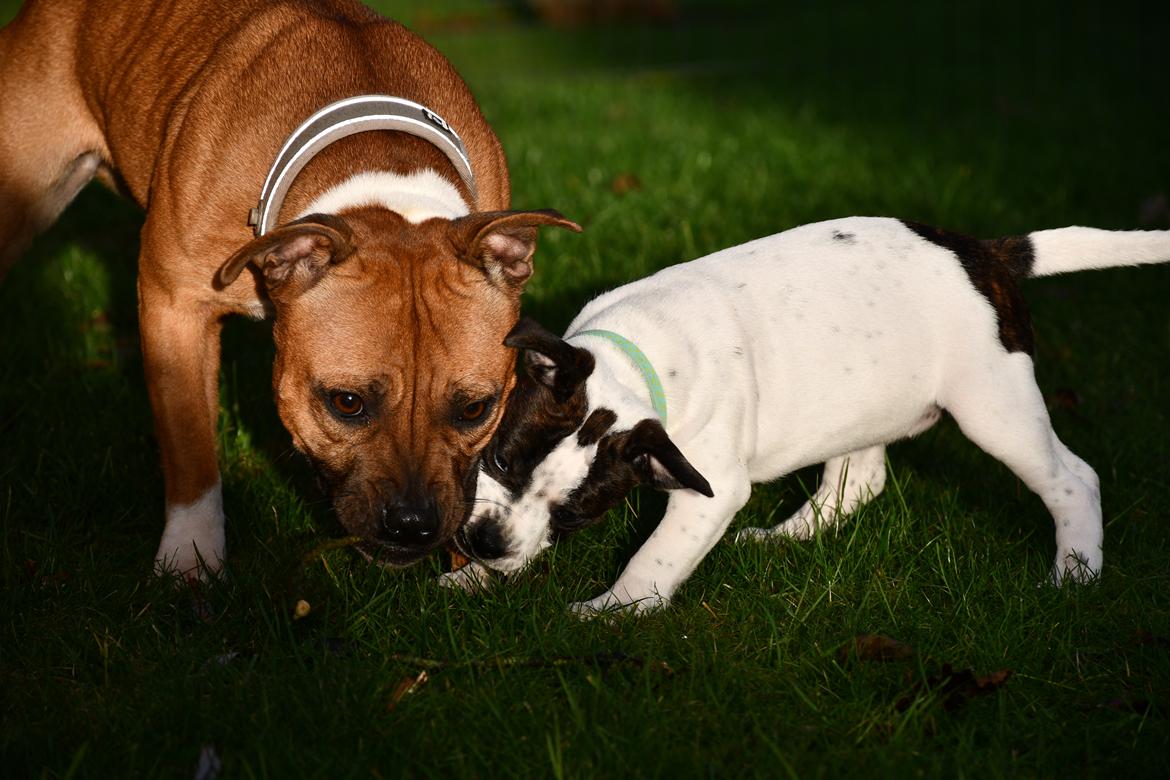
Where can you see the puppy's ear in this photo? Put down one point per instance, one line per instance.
(658, 462)
(293, 257)
(549, 359)
(501, 243)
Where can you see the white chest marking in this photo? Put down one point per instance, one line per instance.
(417, 197)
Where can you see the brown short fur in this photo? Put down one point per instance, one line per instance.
(182, 105)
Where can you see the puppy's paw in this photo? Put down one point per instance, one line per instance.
(1074, 568)
(472, 578)
(745, 535)
(786, 530)
(609, 605)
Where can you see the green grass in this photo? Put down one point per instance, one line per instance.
(992, 121)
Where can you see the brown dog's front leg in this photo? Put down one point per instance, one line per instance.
(180, 346)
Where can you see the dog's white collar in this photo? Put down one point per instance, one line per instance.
(345, 118)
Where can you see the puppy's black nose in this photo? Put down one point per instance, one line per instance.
(410, 524)
(485, 540)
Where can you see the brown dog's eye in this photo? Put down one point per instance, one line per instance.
(474, 411)
(347, 404)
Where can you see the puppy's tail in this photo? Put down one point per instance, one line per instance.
(1070, 249)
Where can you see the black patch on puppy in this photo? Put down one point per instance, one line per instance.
(547, 405)
(596, 424)
(844, 238)
(995, 269)
(642, 455)
(534, 422)
(611, 476)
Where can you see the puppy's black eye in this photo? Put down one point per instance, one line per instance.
(499, 461)
(475, 411)
(347, 404)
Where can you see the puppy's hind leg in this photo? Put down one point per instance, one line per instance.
(1003, 412)
(848, 482)
(50, 145)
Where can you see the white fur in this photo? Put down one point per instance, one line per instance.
(527, 516)
(1080, 248)
(417, 197)
(803, 348)
(193, 541)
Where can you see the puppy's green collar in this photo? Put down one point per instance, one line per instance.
(653, 383)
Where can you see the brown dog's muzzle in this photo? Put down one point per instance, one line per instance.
(403, 524)
(401, 533)
(410, 525)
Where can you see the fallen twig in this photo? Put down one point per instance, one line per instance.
(604, 660)
(329, 545)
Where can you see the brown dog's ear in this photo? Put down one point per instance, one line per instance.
(295, 256)
(501, 243)
(658, 462)
(550, 360)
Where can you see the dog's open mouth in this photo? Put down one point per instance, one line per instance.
(390, 555)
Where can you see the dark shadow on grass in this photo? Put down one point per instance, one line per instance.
(78, 447)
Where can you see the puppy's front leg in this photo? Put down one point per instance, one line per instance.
(180, 349)
(691, 526)
(472, 578)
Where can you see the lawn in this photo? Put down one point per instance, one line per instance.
(666, 141)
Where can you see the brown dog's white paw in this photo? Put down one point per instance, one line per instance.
(193, 543)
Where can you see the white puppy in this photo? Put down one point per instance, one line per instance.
(820, 344)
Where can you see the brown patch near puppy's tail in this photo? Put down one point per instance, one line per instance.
(995, 269)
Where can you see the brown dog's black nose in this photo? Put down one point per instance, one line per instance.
(414, 524)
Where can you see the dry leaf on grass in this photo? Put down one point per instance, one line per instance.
(875, 647)
(1063, 398)
(625, 182)
(955, 688)
(1145, 638)
(1139, 706)
(407, 686)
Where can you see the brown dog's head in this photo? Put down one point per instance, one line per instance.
(390, 369)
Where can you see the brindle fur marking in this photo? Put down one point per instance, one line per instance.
(995, 268)
(600, 421)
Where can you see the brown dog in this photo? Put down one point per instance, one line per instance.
(389, 265)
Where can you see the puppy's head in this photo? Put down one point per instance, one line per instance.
(391, 371)
(562, 457)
